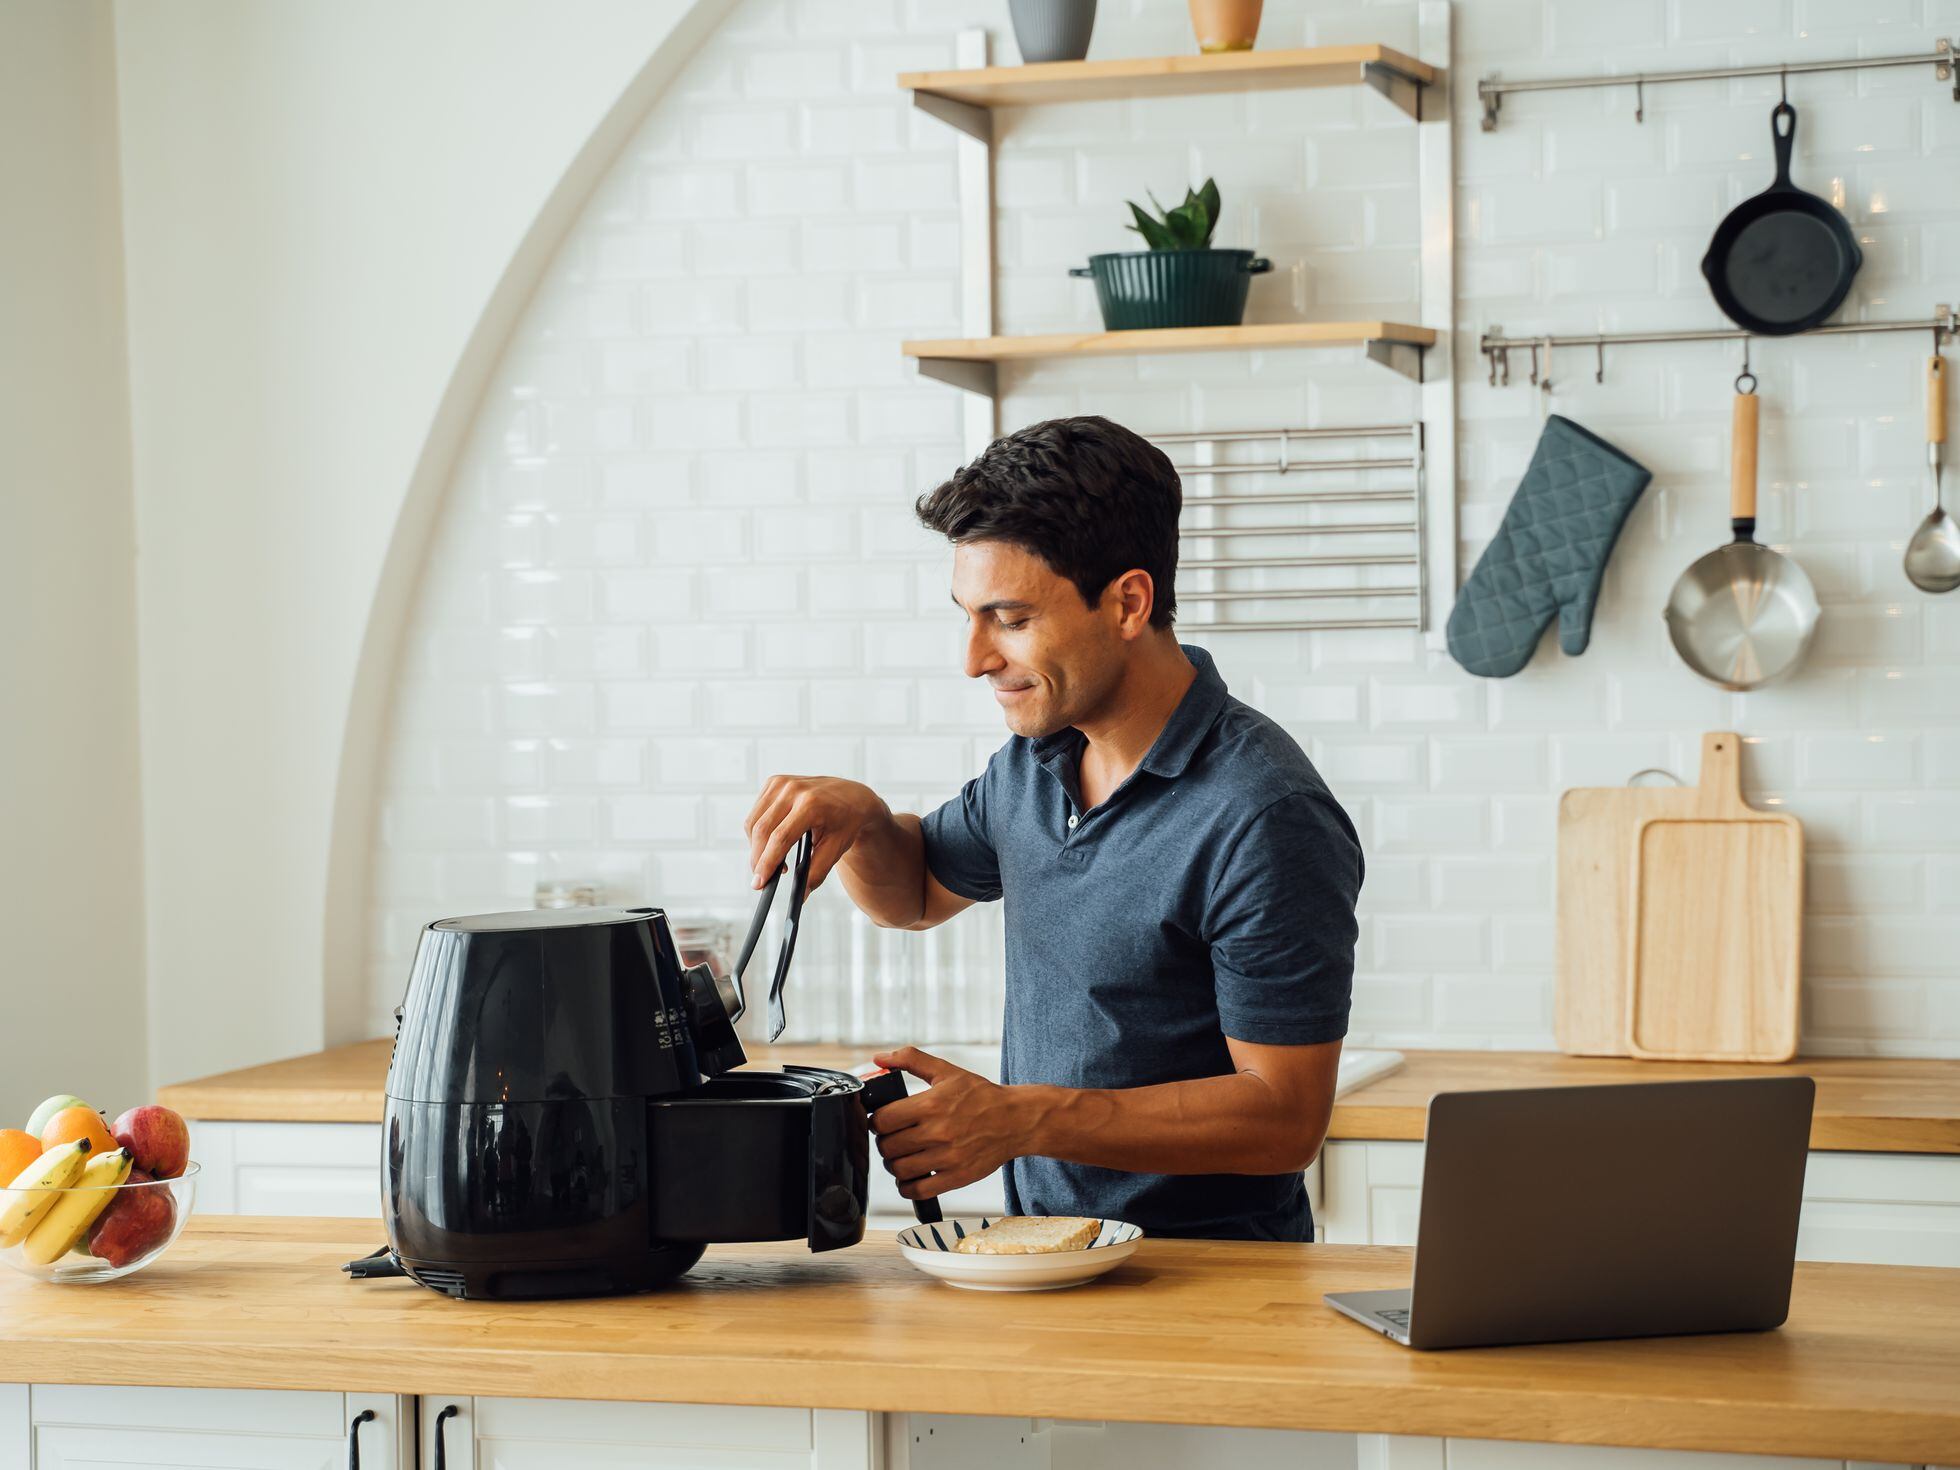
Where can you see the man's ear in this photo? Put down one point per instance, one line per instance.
(1135, 597)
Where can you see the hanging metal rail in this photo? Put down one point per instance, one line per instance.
(1497, 348)
(1491, 91)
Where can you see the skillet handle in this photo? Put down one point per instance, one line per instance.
(1742, 467)
(1783, 125)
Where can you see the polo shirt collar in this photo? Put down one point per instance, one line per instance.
(1189, 723)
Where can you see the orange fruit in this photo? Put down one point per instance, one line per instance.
(18, 1149)
(72, 1123)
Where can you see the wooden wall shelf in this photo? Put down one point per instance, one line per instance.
(969, 362)
(1382, 67)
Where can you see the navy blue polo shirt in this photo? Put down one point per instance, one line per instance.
(1211, 895)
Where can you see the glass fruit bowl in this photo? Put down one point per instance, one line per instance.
(135, 1225)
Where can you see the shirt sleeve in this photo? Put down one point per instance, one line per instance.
(1281, 924)
(960, 850)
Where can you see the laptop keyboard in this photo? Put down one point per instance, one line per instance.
(1399, 1316)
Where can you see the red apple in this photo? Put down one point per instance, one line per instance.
(156, 1138)
(136, 1222)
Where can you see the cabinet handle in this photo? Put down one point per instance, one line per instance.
(450, 1411)
(354, 1439)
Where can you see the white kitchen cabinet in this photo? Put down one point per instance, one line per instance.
(56, 1427)
(1369, 1192)
(1884, 1209)
(335, 1169)
(288, 1168)
(1889, 1209)
(1412, 1452)
(558, 1434)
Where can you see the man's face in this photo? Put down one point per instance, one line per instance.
(1049, 659)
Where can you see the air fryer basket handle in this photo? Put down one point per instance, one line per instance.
(799, 887)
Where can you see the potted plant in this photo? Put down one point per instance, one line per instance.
(1052, 30)
(1180, 281)
(1225, 25)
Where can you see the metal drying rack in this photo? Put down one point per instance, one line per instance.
(1211, 520)
(1497, 348)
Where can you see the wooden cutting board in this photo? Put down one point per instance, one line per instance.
(1596, 830)
(1715, 925)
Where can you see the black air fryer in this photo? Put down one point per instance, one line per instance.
(563, 1117)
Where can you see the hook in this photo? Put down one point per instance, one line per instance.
(1745, 373)
(1490, 356)
(1640, 101)
(1546, 382)
(1785, 79)
(1599, 362)
(1534, 364)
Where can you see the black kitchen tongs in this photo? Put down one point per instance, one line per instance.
(798, 891)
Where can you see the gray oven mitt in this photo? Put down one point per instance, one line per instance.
(1550, 553)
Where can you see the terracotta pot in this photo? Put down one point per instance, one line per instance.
(1225, 25)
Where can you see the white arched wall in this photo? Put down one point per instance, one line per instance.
(333, 211)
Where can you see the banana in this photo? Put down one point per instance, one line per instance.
(69, 1218)
(32, 1193)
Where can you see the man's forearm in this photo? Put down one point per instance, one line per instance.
(885, 871)
(1234, 1124)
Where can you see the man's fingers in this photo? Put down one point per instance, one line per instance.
(795, 822)
(938, 1184)
(921, 1064)
(828, 853)
(901, 1113)
(762, 824)
(900, 1145)
(919, 1165)
(764, 798)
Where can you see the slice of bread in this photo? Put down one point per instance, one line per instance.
(1032, 1235)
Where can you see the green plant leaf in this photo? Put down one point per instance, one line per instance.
(1208, 196)
(1155, 235)
(1189, 225)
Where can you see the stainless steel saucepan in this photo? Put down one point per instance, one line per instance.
(1743, 615)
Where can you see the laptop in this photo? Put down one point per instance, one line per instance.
(1556, 1214)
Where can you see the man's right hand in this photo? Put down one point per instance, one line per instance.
(834, 810)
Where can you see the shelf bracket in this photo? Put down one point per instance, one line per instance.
(969, 118)
(1398, 357)
(976, 377)
(1397, 86)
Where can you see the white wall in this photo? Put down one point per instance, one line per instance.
(678, 552)
(332, 211)
(71, 884)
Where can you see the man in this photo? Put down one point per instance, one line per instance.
(1178, 882)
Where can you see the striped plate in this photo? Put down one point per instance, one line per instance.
(930, 1248)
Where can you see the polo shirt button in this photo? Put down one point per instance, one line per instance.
(1072, 821)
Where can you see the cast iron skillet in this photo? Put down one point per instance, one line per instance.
(1784, 260)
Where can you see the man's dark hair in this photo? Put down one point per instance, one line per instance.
(1087, 496)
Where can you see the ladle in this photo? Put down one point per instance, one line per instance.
(1933, 554)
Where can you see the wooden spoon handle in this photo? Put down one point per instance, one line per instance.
(1936, 400)
(1742, 459)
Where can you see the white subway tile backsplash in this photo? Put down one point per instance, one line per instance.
(1430, 942)
(654, 818)
(679, 552)
(694, 764)
(649, 705)
(1436, 824)
(1490, 884)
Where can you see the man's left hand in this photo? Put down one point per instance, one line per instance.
(955, 1133)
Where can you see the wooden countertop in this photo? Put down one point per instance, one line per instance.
(1884, 1105)
(1197, 1332)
